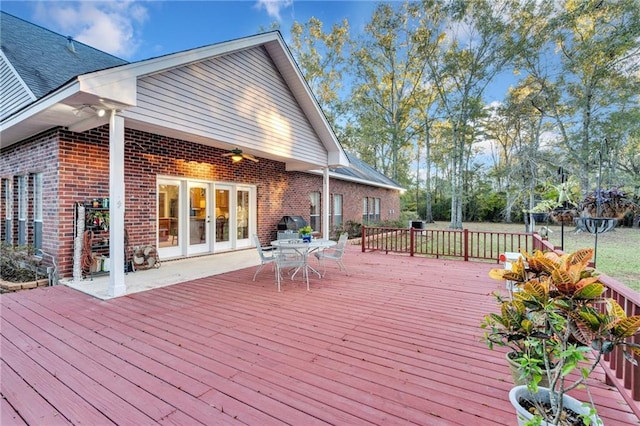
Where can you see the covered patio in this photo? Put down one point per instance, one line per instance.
(395, 342)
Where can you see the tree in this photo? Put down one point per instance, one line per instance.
(321, 57)
(389, 68)
(465, 50)
(593, 43)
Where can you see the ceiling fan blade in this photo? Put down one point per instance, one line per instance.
(250, 157)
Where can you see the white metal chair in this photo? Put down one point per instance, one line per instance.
(267, 254)
(291, 261)
(335, 253)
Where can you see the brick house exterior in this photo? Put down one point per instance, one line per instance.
(75, 168)
(147, 139)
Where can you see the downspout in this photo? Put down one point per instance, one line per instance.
(117, 286)
(325, 203)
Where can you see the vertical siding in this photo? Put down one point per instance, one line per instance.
(240, 99)
(13, 95)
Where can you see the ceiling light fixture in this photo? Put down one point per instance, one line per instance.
(236, 158)
(100, 112)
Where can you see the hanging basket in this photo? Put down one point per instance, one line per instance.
(563, 216)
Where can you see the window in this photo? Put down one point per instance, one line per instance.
(365, 211)
(370, 210)
(8, 206)
(337, 210)
(37, 210)
(22, 210)
(314, 211)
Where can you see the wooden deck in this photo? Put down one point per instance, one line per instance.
(395, 342)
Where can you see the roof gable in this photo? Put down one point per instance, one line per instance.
(66, 76)
(239, 98)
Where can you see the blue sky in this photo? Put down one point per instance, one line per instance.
(135, 30)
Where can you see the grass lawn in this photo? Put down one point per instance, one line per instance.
(618, 252)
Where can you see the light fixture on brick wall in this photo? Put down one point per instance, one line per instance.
(100, 112)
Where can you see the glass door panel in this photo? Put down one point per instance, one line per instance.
(242, 214)
(199, 218)
(168, 219)
(223, 217)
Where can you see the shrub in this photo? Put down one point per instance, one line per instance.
(19, 263)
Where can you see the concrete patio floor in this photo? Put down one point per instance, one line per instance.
(170, 272)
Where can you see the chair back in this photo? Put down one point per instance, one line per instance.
(288, 235)
(342, 242)
(256, 241)
(289, 257)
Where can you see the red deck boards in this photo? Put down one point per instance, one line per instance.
(397, 341)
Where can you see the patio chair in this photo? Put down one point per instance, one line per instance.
(291, 261)
(288, 235)
(335, 253)
(267, 254)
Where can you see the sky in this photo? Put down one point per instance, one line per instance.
(136, 30)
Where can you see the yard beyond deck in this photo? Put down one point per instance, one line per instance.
(395, 342)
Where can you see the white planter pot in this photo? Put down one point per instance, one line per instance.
(543, 395)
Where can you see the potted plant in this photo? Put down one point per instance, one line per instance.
(511, 328)
(99, 219)
(540, 212)
(607, 203)
(574, 324)
(305, 232)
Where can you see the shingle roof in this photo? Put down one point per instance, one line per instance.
(43, 59)
(358, 169)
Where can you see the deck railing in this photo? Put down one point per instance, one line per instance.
(463, 244)
(620, 372)
(486, 245)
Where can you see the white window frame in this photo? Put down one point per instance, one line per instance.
(315, 221)
(338, 200)
(23, 204)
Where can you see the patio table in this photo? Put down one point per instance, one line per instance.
(305, 249)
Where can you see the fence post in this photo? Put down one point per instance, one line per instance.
(465, 243)
(411, 241)
(362, 239)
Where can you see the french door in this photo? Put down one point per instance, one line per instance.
(199, 218)
(195, 217)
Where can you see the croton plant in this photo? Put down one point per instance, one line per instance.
(559, 305)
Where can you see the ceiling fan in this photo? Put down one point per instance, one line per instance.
(237, 155)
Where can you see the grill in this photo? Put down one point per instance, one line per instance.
(291, 223)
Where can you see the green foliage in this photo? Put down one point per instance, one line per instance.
(353, 228)
(560, 304)
(418, 84)
(305, 230)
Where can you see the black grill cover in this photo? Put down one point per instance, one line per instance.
(292, 223)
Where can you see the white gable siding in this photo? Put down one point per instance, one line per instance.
(240, 99)
(14, 94)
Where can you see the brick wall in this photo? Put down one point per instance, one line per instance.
(76, 167)
(38, 154)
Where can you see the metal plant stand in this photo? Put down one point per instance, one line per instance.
(597, 225)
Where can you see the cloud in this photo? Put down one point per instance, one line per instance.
(273, 7)
(111, 26)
